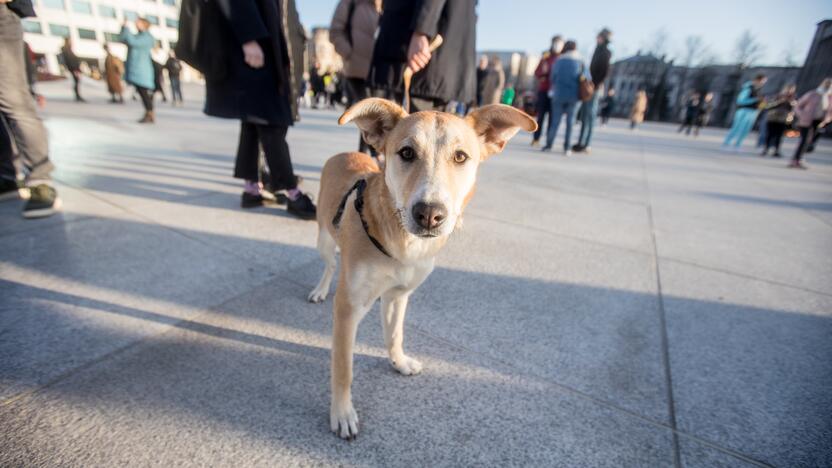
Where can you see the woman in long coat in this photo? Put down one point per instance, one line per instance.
(113, 70)
(139, 66)
(638, 109)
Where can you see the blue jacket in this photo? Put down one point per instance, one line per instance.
(564, 76)
(138, 69)
(747, 98)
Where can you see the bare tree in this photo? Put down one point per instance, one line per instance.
(657, 44)
(789, 55)
(695, 51)
(748, 49)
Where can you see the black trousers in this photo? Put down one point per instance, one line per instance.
(272, 138)
(76, 86)
(807, 137)
(356, 91)
(543, 106)
(774, 135)
(147, 98)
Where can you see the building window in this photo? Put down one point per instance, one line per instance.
(112, 37)
(169, 2)
(53, 4)
(157, 44)
(152, 19)
(173, 45)
(130, 15)
(80, 6)
(87, 34)
(58, 30)
(106, 11)
(33, 27)
(172, 23)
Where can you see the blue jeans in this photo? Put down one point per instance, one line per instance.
(590, 111)
(560, 107)
(743, 121)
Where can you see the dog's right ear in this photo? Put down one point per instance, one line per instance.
(375, 118)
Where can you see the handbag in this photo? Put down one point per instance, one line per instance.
(204, 37)
(586, 88)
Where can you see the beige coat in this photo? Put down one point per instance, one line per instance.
(639, 108)
(113, 70)
(358, 53)
(493, 87)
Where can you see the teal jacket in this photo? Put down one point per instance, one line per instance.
(138, 69)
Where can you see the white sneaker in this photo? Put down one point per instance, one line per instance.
(567, 153)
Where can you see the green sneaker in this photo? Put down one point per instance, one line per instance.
(43, 202)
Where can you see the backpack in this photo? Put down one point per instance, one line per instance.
(204, 36)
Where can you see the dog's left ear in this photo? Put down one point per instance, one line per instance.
(496, 124)
(375, 118)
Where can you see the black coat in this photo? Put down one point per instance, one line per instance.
(267, 95)
(451, 74)
(599, 67)
(22, 8)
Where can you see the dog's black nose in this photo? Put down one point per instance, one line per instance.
(429, 215)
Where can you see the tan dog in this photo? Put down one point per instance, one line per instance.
(390, 225)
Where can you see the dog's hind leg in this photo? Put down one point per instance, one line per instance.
(393, 307)
(326, 247)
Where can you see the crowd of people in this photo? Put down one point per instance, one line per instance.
(260, 81)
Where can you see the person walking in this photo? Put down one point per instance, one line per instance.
(139, 66)
(638, 109)
(26, 130)
(780, 116)
(174, 68)
(495, 79)
(352, 32)
(607, 107)
(703, 114)
(599, 69)
(259, 87)
(543, 104)
(748, 103)
(564, 87)
(158, 79)
(482, 74)
(73, 66)
(113, 70)
(813, 111)
(691, 111)
(405, 31)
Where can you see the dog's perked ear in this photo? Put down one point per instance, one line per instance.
(375, 117)
(496, 124)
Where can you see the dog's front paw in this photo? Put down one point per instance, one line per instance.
(317, 295)
(406, 365)
(343, 420)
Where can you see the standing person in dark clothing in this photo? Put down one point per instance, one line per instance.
(813, 112)
(260, 87)
(352, 32)
(599, 70)
(691, 110)
(543, 104)
(17, 110)
(482, 75)
(159, 80)
(703, 114)
(174, 68)
(405, 31)
(73, 66)
(138, 69)
(780, 115)
(607, 107)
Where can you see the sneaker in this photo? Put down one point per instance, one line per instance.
(796, 165)
(777, 155)
(567, 152)
(764, 153)
(250, 200)
(302, 207)
(587, 149)
(535, 143)
(546, 148)
(43, 202)
(11, 190)
(577, 148)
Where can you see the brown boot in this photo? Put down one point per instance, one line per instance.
(148, 118)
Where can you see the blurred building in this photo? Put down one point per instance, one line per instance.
(818, 64)
(518, 67)
(91, 23)
(668, 86)
(321, 51)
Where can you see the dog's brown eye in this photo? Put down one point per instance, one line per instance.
(407, 153)
(460, 157)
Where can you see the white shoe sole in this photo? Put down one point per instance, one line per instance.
(20, 194)
(42, 213)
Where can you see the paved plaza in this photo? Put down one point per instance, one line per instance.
(657, 303)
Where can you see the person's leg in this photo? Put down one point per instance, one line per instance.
(746, 123)
(76, 87)
(8, 170)
(734, 130)
(543, 106)
(778, 131)
(556, 112)
(569, 109)
(147, 102)
(276, 149)
(816, 134)
(588, 122)
(248, 152)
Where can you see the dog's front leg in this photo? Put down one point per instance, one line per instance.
(343, 419)
(393, 308)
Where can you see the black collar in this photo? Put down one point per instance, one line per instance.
(359, 207)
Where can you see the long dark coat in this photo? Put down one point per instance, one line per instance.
(451, 73)
(267, 95)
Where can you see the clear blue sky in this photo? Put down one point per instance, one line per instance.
(529, 24)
